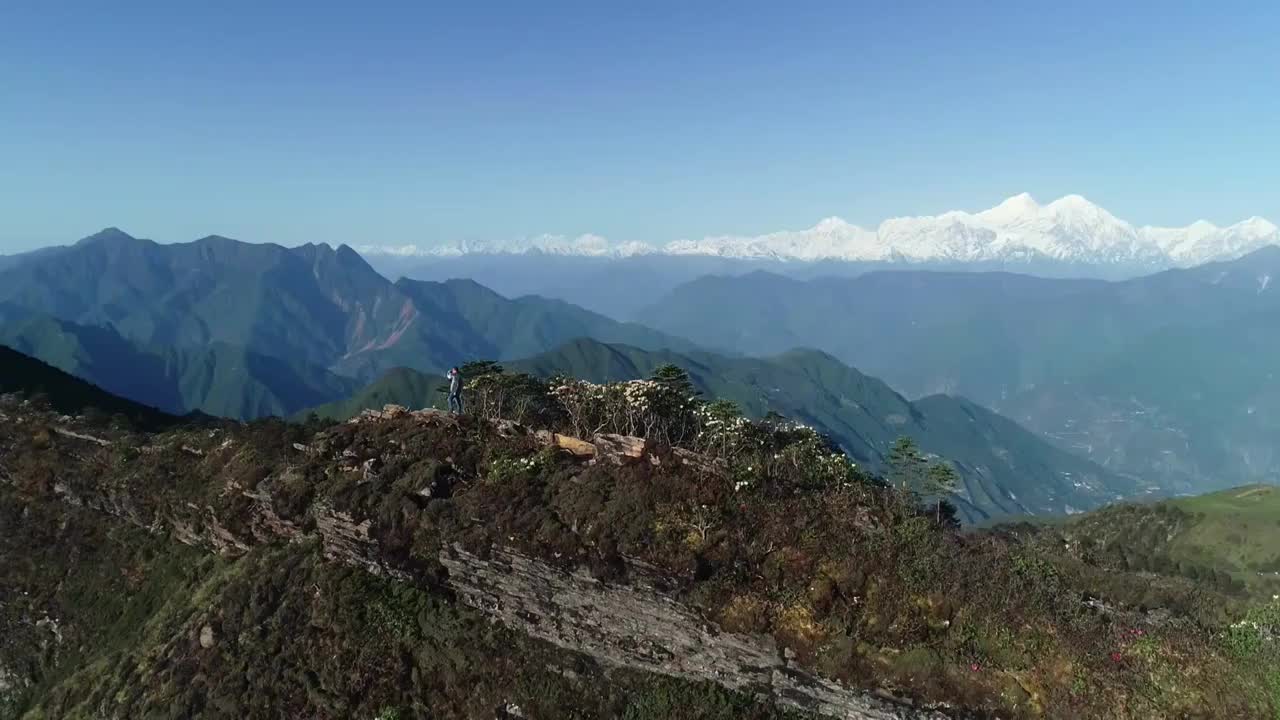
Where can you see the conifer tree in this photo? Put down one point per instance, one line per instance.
(939, 480)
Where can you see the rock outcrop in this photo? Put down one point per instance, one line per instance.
(639, 627)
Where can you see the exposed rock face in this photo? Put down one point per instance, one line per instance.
(620, 449)
(639, 627)
(636, 625)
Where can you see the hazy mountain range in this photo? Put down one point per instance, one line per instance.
(245, 331)
(1164, 381)
(1019, 230)
(1169, 377)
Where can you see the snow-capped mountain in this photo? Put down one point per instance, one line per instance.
(587, 245)
(831, 238)
(1202, 242)
(1019, 230)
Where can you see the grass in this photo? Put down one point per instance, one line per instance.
(1233, 532)
(1238, 527)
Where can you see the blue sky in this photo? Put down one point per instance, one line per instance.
(387, 123)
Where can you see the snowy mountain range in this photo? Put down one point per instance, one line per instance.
(1019, 230)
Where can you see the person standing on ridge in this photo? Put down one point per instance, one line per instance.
(455, 390)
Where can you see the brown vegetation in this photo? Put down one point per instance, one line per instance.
(853, 580)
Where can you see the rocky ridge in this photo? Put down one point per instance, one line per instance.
(637, 624)
(453, 566)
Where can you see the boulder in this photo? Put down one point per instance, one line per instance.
(620, 449)
(206, 637)
(574, 446)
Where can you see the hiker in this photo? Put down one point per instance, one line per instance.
(455, 390)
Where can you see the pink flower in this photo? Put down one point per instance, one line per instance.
(975, 667)
(1117, 656)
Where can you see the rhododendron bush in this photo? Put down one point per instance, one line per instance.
(666, 409)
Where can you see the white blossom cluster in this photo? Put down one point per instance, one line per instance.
(786, 451)
(1264, 620)
(636, 407)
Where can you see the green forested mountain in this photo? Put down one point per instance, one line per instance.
(250, 329)
(217, 379)
(1165, 377)
(526, 325)
(1005, 468)
(309, 304)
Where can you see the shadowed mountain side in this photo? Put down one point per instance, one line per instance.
(70, 395)
(220, 379)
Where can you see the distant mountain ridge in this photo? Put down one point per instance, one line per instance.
(1168, 377)
(305, 321)
(1018, 231)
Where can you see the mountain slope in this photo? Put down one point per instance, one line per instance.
(11, 261)
(68, 394)
(416, 564)
(310, 304)
(1005, 468)
(218, 379)
(526, 325)
(288, 315)
(616, 287)
(1229, 538)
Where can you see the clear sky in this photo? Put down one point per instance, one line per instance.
(388, 123)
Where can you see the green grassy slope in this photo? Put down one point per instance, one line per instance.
(1231, 536)
(1237, 529)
